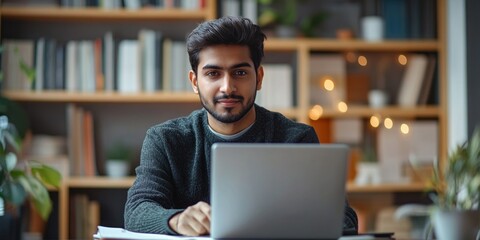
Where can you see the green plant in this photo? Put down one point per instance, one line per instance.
(27, 70)
(28, 181)
(285, 12)
(457, 184)
(119, 152)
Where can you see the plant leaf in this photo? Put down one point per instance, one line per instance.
(11, 161)
(46, 174)
(13, 192)
(40, 197)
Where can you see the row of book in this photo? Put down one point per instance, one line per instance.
(110, 4)
(81, 142)
(409, 19)
(149, 63)
(85, 217)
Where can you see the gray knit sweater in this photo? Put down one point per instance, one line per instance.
(174, 170)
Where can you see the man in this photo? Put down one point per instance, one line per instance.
(171, 192)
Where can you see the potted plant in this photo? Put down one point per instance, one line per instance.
(19, 182)
(368, 169)
(283, 17)
(118, 160)
(456, 195)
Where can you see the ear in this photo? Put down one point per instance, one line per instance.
(193, 80)
(259, 77)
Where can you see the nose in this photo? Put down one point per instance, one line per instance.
(227, 85)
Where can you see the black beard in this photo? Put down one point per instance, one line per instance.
(229, 118)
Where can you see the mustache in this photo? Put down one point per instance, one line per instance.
(227, 96)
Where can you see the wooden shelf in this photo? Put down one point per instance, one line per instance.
(365, 111)
(275, 44)
(386, 188)
(98, 14)
(101, 97)
(99, 182)
(106, 182)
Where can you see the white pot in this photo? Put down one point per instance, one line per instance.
(117, 168)
(456, 224)
(368, 173)
(377, 98)
(2, 207)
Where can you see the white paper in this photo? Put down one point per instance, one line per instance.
(120, 233)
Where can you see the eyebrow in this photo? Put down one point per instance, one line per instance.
(238, 65)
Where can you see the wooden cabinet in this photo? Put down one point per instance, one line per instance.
(48, 107)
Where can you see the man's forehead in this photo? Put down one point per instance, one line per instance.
(225, 56)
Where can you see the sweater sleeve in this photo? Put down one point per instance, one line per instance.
(149, 203)
(350, 221)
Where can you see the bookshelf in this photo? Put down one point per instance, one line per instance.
(300, 50)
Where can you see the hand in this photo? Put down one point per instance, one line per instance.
(194, 221)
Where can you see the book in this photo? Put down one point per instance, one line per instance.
(148, 61)
(250, 10)
(277, 87)
(427, 81)
(178, 67)
(394, 13)
(71, 81)
(128, 67)
(39, 64)
(167, 65)
(412, 79)
(108, 61)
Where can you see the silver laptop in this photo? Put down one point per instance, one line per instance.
(278, 190)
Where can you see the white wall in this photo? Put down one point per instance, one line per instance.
(456, 73)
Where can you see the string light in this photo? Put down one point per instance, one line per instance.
(362, 61)
(388, 123)
(374, 121)
(402, 59)
(404, 128)
(328, 84)
(342, 107)
(316, 112)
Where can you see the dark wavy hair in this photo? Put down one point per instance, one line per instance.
(226, 30)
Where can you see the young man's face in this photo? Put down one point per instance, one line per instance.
(226, 81)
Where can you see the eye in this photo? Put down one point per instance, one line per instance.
(240, 73)
(212, 74)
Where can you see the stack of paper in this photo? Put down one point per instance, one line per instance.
(105, 233)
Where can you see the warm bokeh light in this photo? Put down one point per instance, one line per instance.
(404, 128)
(328, 84)
(316, 112)
(402, 59)
(388, 123)
(362, 61)
(374, 121)
(350, 56)
(342, 107)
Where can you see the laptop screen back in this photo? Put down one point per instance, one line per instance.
(278, 190)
